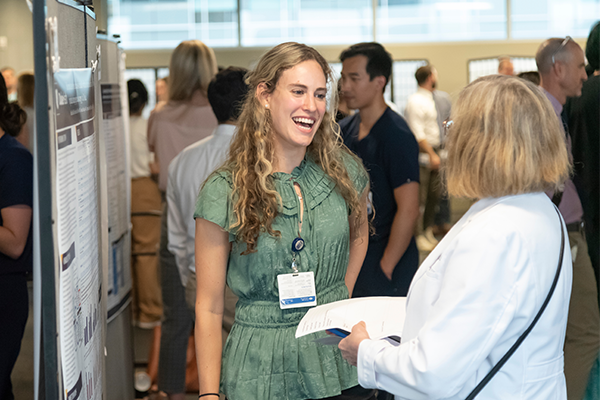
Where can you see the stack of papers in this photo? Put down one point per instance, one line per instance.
(384, 317)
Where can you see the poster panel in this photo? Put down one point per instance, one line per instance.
(80, 290)
(112, 128)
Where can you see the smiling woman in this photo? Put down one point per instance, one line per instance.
(284, 223)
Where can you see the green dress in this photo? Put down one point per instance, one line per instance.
(262, 359)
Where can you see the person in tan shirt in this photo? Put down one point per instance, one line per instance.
(184, 119)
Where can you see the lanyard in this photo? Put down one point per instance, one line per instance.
(298, 243)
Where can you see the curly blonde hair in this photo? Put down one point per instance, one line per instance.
(251, 155)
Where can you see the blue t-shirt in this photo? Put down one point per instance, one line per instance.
(16, 188)
(391, 155)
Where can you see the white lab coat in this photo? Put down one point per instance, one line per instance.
(471, 299)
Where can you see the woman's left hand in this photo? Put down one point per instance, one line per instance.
(349, 345)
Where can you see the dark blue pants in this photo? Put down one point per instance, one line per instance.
(373, 282)
(14, 308)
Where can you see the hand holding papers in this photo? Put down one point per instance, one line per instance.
(384, 317)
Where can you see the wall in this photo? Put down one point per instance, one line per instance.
(450, 59)
(17, 26)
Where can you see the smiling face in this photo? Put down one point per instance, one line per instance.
(297, 105)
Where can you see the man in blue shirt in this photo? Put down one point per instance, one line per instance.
(383, 140)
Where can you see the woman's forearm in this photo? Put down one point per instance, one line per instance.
(14, 230)
(209, 344)
(212, 252)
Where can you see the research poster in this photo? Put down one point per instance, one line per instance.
(119, 273)
(80, 290)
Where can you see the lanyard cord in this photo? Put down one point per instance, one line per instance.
(298, 239)
(300, 207)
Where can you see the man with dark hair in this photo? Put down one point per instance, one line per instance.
(531, 76)
(562, 69)
(382, 139)
(423, 73)
(422, 117)
(187, 172)
(378, 60)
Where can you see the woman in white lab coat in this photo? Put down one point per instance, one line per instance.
(482, 286)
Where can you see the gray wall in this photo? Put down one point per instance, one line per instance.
(17, 26)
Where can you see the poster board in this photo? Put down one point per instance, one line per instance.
(114, 124)
(80, 306)
(71, 251)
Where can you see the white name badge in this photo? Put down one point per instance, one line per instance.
(297, 290)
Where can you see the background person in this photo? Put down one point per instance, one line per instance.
(481, 287)
(162, 89)
(382, 139)
(422, 117)
(562, 68)
(145, 201)
(25, 89)
(16, 247)
(288, 176)
(10, 80)
(189, 170)
(582, 115)
(443, 107)
(184, 119)
(505, 66)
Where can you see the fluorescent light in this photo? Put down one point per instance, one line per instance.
(454, 6)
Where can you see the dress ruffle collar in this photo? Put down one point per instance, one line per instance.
(314, 183)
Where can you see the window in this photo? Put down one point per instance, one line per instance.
(270, 22)
(540, 19)
(404, 81)
(440, 20)
(489, 66)
(150, 24)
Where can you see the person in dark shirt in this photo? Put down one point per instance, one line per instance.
(582, 115)
(16, 203)
(383, 140)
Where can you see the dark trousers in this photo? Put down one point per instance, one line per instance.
(177, 320)
(372, 281)
(354, 393)
(14, 308)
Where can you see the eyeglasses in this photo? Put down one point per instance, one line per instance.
(447, 124)
(559, 48)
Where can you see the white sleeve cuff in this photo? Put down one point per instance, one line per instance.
(367, 354)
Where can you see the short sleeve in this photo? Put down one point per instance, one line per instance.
(16, 179)
(214, 201)
(401, 154)
(357, 172)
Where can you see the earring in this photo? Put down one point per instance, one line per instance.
(266, 105)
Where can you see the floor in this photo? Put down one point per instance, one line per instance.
(22, 376)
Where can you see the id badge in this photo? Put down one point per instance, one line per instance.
(297, 290)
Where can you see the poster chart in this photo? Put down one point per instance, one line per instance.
(80, 290)
(112, 128)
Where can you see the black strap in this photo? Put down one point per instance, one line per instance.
(521, 338)
(557, 198)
